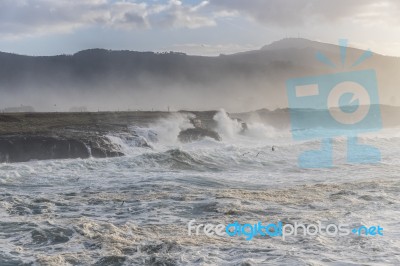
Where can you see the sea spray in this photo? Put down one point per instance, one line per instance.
(231, 128)
(168, 129)
(228, 128)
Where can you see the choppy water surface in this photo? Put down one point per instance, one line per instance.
(134, 210)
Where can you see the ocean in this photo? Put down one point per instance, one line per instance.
(135, 209)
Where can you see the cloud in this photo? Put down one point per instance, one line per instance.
(126, 15)
(31, 17)
(37, 17)
(288, 13)
(177, 15)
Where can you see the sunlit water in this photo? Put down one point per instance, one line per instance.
(134, 210)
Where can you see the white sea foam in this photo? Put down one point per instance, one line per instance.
(134, 209)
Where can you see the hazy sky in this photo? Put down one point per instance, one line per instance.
(47, 27)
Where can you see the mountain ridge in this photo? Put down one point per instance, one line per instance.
(108, 79)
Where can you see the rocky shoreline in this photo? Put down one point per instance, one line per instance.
(23, 148)
(46, 136)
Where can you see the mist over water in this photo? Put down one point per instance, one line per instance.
(107, 80)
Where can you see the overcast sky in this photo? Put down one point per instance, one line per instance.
(48, 27)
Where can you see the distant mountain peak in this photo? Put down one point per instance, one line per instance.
(301, 43)
(293, 43)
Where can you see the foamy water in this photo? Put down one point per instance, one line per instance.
(134, 210)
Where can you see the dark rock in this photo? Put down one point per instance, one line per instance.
(19, 148)
(101, 147)
(26, 148)
(7, 118)
(194, 134)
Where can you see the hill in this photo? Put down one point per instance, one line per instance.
(110, 80)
